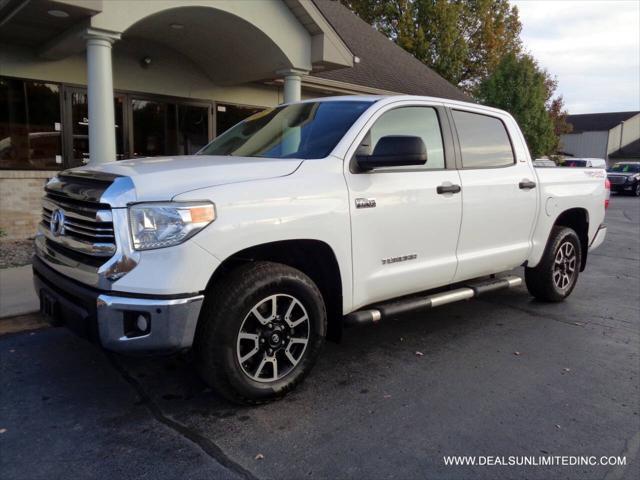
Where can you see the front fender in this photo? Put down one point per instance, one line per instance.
(311, 204)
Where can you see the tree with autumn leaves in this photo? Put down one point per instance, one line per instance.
(476, 45)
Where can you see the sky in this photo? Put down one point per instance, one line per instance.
(592, 47)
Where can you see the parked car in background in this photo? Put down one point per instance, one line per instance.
(585, 162)
(625, 178)
(303, 219)
(544, 162)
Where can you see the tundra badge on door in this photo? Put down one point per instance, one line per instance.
(365, 203)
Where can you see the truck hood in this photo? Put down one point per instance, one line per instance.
(162, 178)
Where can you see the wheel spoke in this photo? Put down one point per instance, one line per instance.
(287, 315)
(274, 363)
(294, 324)
(250, 354)
(274, 310)
(249, 336)
(256, 345)
(260, 367)
(290, 356)
(568, 250)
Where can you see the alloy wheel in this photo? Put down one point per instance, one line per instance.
(564, 267)
(273, 338)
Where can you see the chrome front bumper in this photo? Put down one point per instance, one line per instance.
(171, 323)
(110, 319)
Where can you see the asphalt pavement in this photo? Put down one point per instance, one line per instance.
(500, 376)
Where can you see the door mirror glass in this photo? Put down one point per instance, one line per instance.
(394, 151)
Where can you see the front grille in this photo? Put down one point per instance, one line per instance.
(82, 229)
(617, 179)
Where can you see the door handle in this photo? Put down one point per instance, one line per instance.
(526, 184)
(442, 189)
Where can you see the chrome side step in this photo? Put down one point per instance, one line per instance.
(413, 304)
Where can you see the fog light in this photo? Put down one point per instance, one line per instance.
(136, 324)
(142, 323)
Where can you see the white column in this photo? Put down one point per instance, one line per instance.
(102, 132)
(292, 84)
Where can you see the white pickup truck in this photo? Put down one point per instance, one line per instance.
(303, 219)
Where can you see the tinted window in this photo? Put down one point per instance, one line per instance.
(483, 140)
(575, 163)
(414, 121)
(626, 168)
(29, 125)
(301, 130)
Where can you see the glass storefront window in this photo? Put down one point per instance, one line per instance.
(30, 125)
(154, 128)
(229, 115)
(79, 154)
(168, 128)
(45, 126)
(193, 128)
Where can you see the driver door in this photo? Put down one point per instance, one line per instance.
(404, 231)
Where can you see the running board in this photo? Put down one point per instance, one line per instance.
(414, 304)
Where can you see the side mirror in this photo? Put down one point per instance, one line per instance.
(394, 151)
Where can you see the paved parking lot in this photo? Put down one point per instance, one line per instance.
(501, 376)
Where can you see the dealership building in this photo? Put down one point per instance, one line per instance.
(90, 81)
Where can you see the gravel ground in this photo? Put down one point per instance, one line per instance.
(15, 253)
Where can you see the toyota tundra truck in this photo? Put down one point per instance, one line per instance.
(304, 219)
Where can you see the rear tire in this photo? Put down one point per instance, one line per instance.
(555, 277)
(260, 332)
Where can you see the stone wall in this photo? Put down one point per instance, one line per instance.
(20, 207)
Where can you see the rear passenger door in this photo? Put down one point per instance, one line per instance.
(404, 232)
(499, 196)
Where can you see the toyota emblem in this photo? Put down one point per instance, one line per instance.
(57, 222)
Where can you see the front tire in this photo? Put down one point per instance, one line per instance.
(260, 332)
(636, 189)
(555, 277)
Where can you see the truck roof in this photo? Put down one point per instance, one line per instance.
(395, 98)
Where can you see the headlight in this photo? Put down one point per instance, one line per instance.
(159, 225)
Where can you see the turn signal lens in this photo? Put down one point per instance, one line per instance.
(607, 187)
(202, 214)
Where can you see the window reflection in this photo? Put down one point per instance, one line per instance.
(229, 115)
(166, 128)
(414, 121)
(483, 140)
(80, 128)
(29, 125)
(304, 130)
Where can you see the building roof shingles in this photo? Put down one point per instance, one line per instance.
(383, 64)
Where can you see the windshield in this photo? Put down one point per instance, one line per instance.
(301, 130)
(626, 168)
